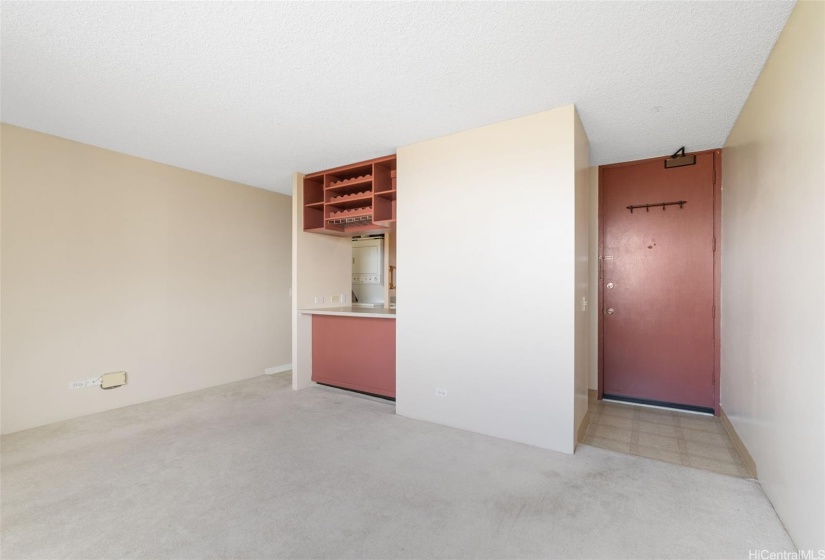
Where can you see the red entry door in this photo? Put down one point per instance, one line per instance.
(657, 275)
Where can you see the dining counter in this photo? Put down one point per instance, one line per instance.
(352, 311)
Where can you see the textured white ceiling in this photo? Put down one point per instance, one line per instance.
(252, 91)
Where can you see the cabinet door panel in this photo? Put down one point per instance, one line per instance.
(365, 260)
(355, 353)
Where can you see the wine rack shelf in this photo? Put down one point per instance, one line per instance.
(353, 199)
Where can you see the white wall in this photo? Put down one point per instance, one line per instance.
(321, 266)
(111, 262)
(773, 309)
(486, 225)
(582, 271)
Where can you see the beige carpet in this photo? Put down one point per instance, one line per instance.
(256, 470)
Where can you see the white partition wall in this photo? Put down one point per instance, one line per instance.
(486, 245)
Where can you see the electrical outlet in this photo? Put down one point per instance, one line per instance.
(335, 299)
(77, 384)
(319, 299)
(441, 393)
(343, 298)
(93, 382)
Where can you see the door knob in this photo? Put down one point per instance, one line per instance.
(610, 285)
(610, 311)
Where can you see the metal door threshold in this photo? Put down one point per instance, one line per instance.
(659, 404)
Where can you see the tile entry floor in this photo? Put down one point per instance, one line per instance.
(693, 440)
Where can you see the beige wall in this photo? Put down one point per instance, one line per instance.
(110, 262)
(489, 302)
(773, 309)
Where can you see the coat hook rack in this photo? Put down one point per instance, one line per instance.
(647, 207)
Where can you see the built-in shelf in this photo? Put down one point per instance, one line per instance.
(353, 199)
(347, 183)
(316, 230)
(350, 212)
(336, 198)
(387, 194)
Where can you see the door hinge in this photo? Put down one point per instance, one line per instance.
(714, 174)
(713, 310)
(713, 378)
(714, 244)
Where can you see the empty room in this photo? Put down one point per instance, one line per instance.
(374, 280)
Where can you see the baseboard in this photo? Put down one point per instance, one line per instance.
(738, 443)
(278, 369)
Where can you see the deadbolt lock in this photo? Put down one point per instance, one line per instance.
(610, 311)
(610, 285)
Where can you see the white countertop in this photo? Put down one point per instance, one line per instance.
(373, 312)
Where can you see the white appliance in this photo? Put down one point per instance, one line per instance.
(368, 269)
